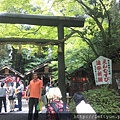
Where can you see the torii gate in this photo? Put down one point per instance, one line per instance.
(57, 21)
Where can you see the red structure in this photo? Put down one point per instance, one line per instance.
(8, 75)
(43, 73)
(78, 78)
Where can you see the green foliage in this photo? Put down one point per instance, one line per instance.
(72, 106)
(99, 36)
(5, 54)
(54, 66)
(73, 53)
(32, 60)
(71, 9)
(103, 100)
(30, 31)
(101, 29)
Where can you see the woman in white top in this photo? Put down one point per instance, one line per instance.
(11, 96)
(85, 110)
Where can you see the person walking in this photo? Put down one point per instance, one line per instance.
(20, 89)
(82, 107)
(11, 96)
(3, 92)
(34, 93)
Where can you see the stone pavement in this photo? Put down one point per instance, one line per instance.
(19, 115)
(24, 106)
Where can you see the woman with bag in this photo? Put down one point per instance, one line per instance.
(54, 97)
(11, 96)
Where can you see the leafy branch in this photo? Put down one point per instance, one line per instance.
(92, 14)
(32, 32)
(87, 40)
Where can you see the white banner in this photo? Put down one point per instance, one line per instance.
(102, 68)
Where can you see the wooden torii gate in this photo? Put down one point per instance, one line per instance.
(57, 21)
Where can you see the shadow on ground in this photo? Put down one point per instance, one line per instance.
(17, 116)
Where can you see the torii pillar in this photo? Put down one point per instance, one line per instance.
(61, 63)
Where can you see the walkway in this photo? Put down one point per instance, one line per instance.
(19, 115)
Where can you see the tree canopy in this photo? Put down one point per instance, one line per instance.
(99, 36)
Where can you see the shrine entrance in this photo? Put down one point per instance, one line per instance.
(57, 21)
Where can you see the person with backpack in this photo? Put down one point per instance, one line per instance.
(56, 106)
(11, 96)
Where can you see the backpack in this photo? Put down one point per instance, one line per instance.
(61, 115)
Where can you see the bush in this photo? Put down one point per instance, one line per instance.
(104, 100)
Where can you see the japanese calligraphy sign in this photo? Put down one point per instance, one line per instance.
(102, 68)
